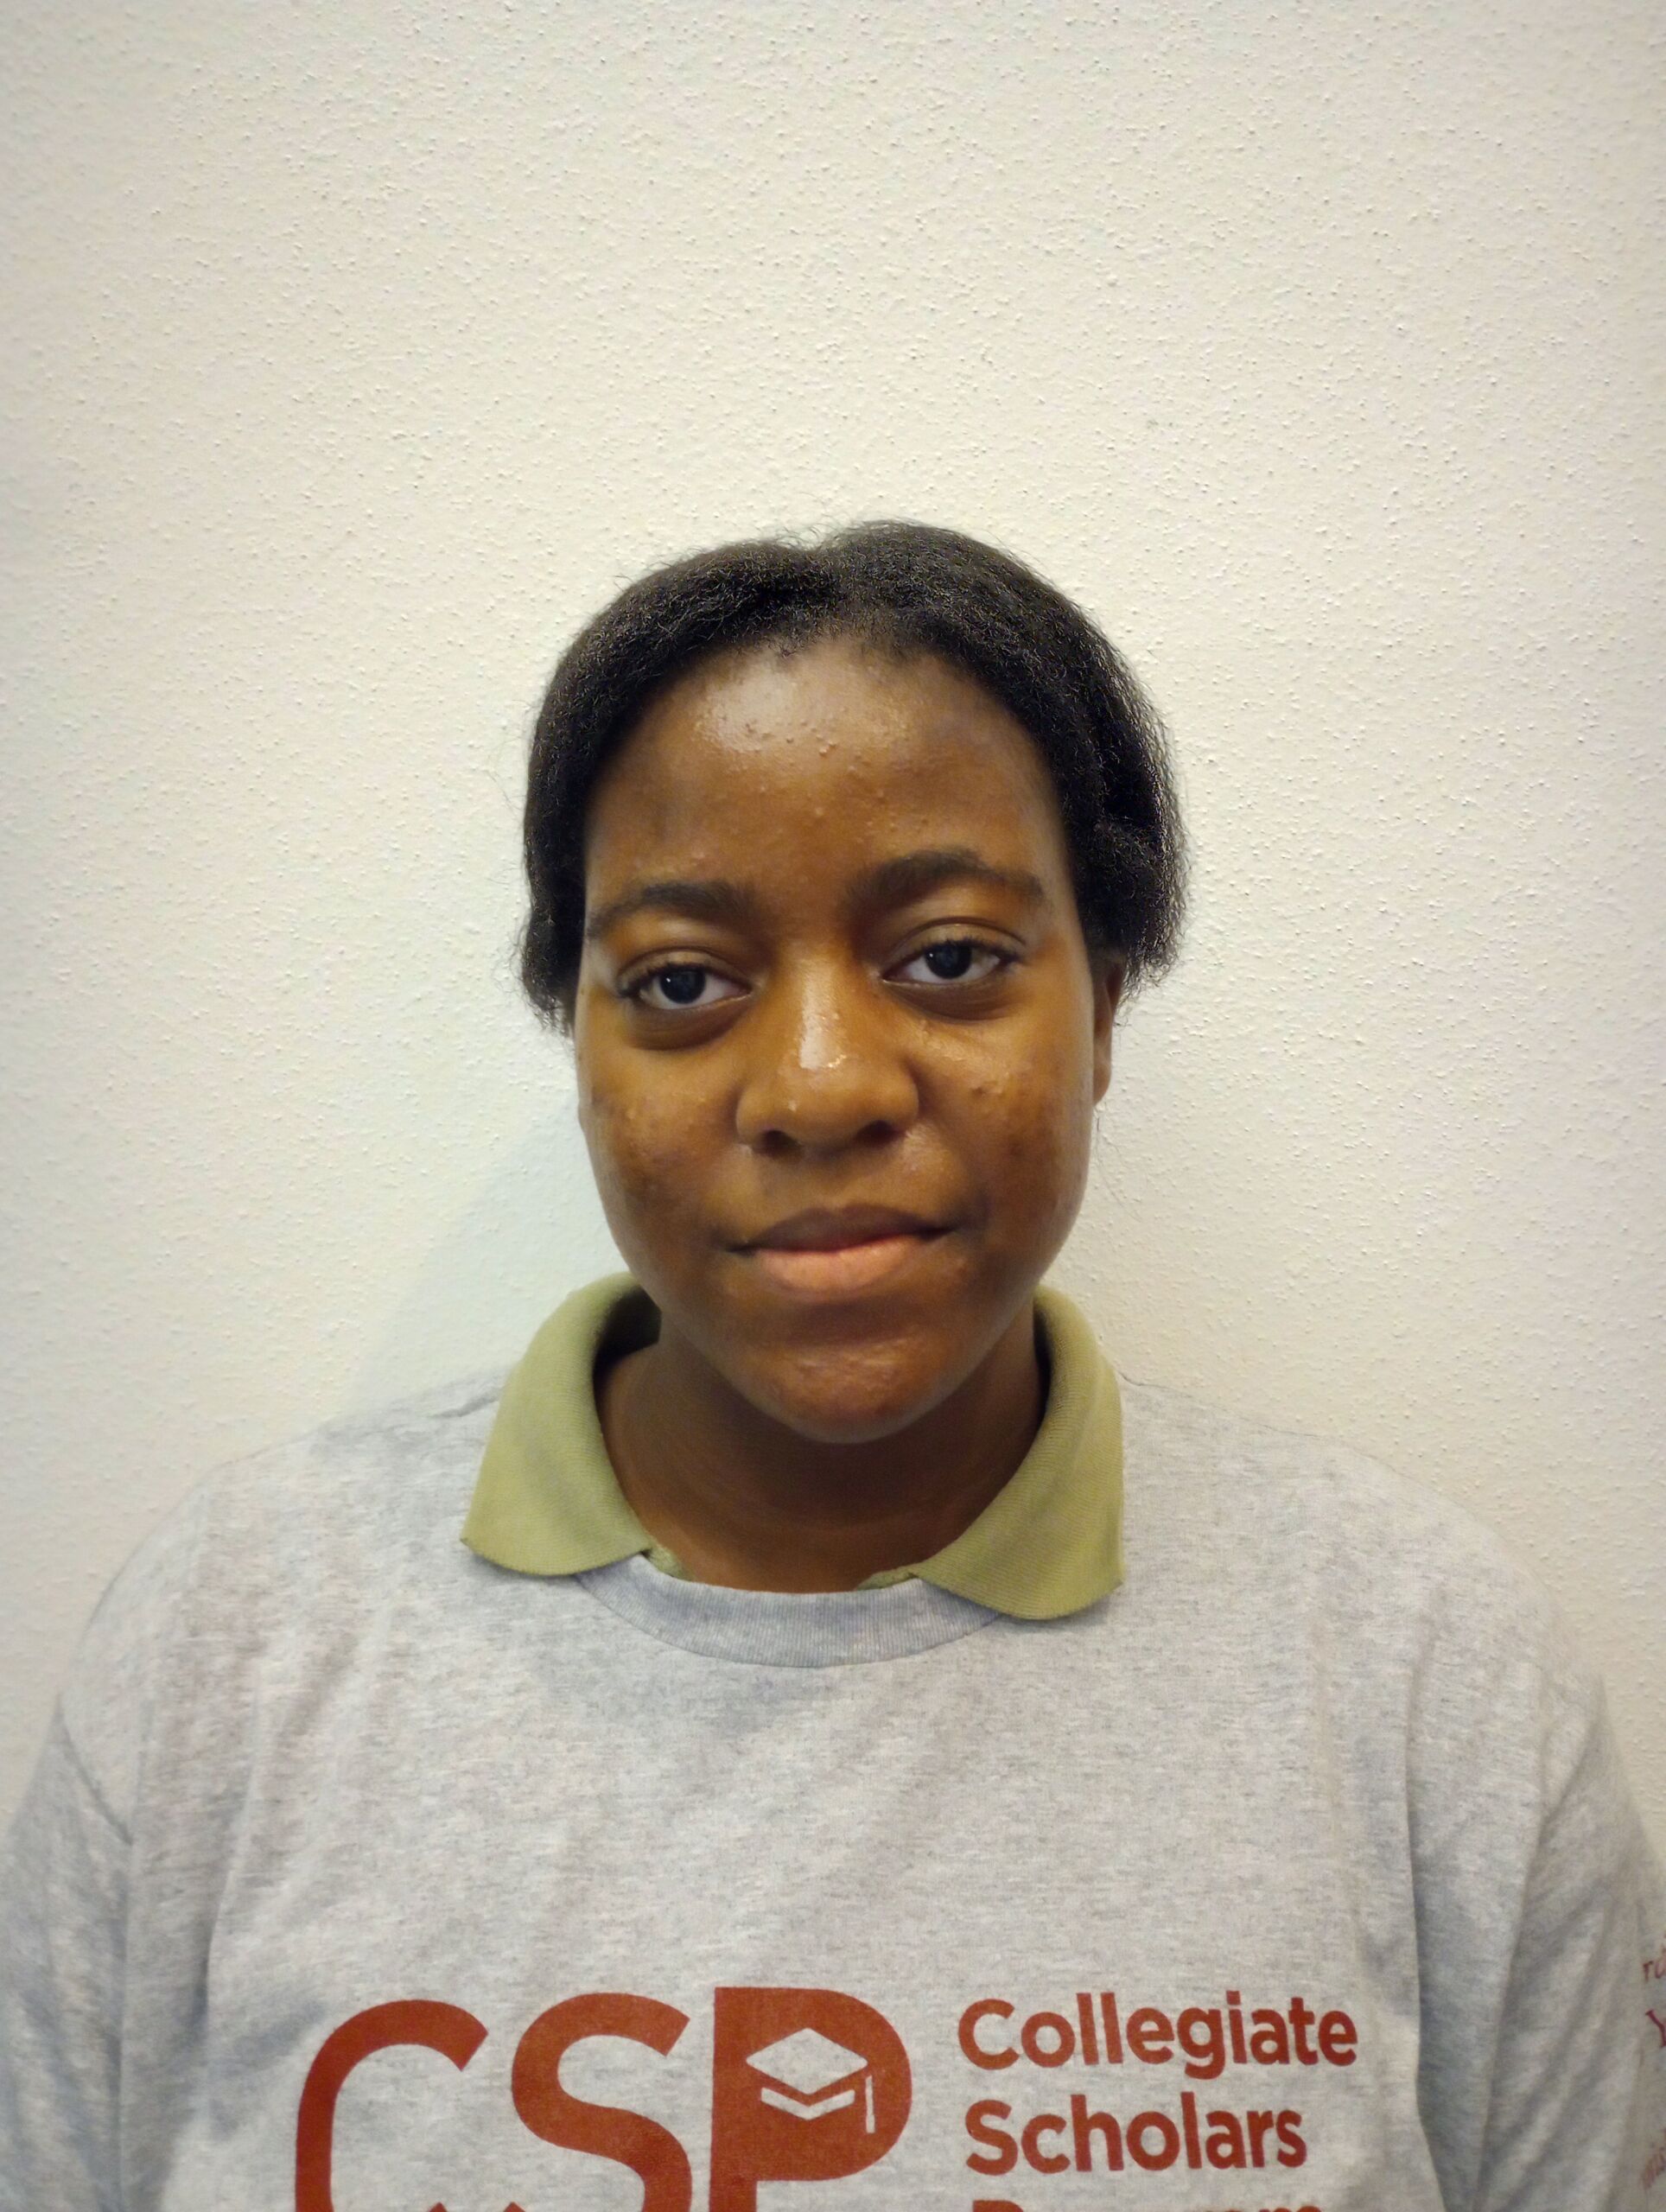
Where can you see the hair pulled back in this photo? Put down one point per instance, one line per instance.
(910, 587)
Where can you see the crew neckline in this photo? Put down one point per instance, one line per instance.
(776, 1628)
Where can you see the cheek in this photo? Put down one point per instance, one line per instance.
(1045, 1152)
(1036, 1134)
(641, 1153)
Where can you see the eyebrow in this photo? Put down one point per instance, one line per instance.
(889, 883)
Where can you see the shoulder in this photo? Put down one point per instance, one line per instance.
(1440, 1683)
(1374, 1560)
(364, 1485)
(331, 1523)
(1197, 1461)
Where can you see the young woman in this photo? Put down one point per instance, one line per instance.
(860, 1741)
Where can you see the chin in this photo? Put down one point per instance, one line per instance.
(848, 1393)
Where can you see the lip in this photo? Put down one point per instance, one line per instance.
(830, 1228)
(840, 1270)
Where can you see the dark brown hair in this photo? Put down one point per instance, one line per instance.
(911, 589)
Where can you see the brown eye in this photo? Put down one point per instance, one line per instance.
(682, 982)
(953, 960)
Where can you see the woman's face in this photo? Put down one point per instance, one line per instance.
(771, 856)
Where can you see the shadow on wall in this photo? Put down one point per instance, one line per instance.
(533, 1231)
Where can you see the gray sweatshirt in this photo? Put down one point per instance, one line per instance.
(360, 1874)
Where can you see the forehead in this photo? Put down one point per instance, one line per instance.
(823, 754)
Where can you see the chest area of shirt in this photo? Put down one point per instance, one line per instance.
(1009, 1939)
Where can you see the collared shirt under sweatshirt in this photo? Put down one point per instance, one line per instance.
(364, 1869)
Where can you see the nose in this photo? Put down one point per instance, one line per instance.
(827, 1065)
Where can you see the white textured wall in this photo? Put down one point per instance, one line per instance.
(354, 354)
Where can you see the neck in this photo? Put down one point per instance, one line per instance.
(743, 1501)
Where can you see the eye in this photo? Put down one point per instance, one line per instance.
(953, 960)
(682, 980)
(681, 983)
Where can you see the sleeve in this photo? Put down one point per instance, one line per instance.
(63, 1888)
(1577, 2111)
(69, 1880)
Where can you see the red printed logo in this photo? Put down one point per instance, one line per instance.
(806, 2085)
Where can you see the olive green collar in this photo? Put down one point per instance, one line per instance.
(547, 1501)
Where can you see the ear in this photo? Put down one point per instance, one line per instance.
(1109, 971)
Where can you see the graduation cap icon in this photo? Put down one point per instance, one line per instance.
(809, 2074)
